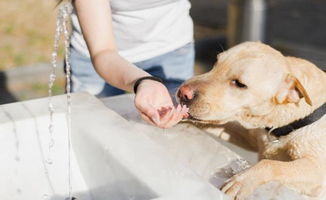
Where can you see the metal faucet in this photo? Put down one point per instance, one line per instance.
(246, 21)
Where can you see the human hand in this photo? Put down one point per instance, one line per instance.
(155, 105)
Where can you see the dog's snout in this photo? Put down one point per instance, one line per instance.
(186, 94)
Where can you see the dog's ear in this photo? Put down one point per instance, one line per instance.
(291, 91)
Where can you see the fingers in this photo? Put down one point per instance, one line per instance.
(180, 113)
(165, 117)
(147, 119)
(185, 111)
(169, 117)
(177, 116)
(148, 113)
(163, 111)
(173, 116)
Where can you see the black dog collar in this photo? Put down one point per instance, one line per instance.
(287, 129)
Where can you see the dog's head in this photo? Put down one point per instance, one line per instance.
(247, 81)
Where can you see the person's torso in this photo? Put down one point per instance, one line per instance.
(146, 28)
(134, 5)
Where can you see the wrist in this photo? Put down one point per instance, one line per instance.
(138, 81)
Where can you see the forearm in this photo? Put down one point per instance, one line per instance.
(95, 20)
(115, 70)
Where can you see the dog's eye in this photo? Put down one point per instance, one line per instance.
(238, 84)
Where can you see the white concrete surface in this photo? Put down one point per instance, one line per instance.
(24, 140)
(115, 156)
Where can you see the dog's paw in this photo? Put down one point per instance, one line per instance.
(240, 186)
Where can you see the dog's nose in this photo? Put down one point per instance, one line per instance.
(186, 94)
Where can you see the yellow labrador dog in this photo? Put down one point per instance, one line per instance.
(282, 100)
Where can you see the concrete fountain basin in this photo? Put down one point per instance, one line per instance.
(112, 157)
(114, 154)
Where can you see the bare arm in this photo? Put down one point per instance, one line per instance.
(152, 99)
(96, 24)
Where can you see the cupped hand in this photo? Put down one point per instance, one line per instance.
(155, 105)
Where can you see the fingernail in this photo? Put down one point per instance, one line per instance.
(185, 115)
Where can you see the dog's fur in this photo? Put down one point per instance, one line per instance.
(277, 90)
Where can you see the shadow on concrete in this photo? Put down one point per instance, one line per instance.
(5, 95)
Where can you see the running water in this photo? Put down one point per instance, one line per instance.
(62, 22)
(239, 166)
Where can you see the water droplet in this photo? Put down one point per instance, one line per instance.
(239, 165)
(19, 191)
(51, 143)
(49, 161)
(45, 196)
(17, 158)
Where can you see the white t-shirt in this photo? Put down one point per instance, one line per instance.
(144, 28)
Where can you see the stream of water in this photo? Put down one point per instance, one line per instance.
(62, 22)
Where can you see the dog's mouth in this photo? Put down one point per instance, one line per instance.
(191, 118)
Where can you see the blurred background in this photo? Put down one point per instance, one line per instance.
(295, 27)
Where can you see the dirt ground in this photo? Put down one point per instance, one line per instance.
(26, 32)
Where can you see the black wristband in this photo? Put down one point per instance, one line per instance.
(138, 81)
